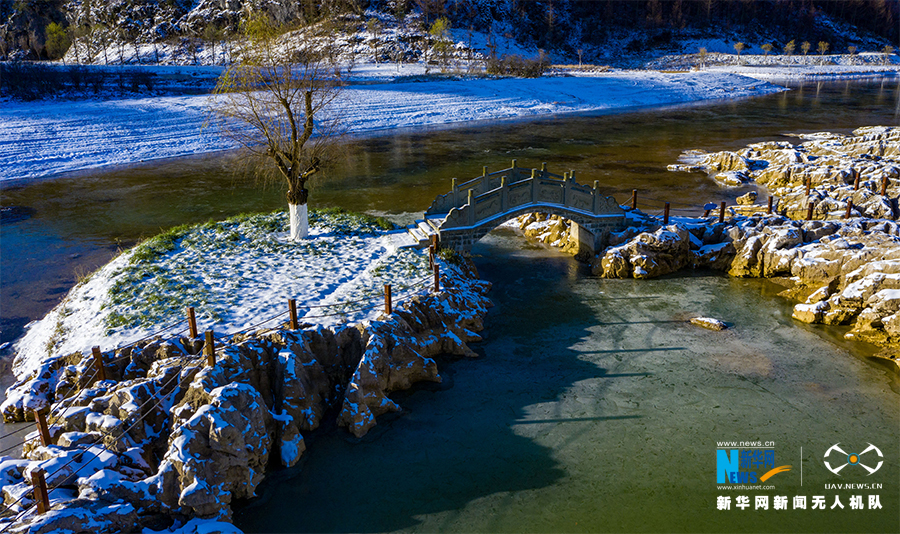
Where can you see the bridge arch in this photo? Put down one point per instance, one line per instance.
(472, 209)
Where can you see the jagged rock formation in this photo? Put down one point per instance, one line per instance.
(844, 272)
(174, 438)
(23, 31)
(840, 170)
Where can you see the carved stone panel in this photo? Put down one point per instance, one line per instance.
(487, 207)
(551, 193)
(581, 200)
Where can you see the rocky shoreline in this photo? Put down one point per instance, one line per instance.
(168, 438)
(843, 269)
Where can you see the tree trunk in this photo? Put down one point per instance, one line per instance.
(299, 214)
(299, 221)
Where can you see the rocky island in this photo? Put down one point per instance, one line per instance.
(170, 432)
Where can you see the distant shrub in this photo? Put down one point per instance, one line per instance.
(514, 65)
(851, 49)
(22, 80)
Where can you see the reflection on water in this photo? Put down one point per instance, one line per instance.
(595, 408)
(78, 222)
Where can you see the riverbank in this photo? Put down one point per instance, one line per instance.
(45, 138)
(169, 433)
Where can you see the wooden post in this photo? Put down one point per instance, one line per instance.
(431, 256)
(849, 207)
(808, 184)
(388, 308)
(809, 211)
(634, 199)
(98, 363)
(40, 417)
(210, 349)
(39, 483)
(437, 277)
(292, 308)
(192, 322)
(722, 212)
(434, 241)
(884, 184)
(769, 209)
(855, 180)
(666, 216)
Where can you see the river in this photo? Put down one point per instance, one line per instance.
(593, 406)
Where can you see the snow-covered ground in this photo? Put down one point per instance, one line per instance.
(44, 138)
(237, 274)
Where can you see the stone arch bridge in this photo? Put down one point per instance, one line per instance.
(474, 208)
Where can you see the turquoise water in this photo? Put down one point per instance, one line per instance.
(593, 407)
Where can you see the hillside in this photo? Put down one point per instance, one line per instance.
(614, 32)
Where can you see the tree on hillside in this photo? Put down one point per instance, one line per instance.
(768, 47)
(739, 47)
(823, 47)
(273, 104)
(57, 41)
(440, 31)
(373, 25)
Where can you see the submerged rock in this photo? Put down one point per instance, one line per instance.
(709, 323)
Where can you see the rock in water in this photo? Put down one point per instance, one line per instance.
(709, 323)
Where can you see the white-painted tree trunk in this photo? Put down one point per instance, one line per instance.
(299, 222)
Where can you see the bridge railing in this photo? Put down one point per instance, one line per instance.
(459, 193)
(541, 188)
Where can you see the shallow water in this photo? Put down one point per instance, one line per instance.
(596, 408)
(66, 227)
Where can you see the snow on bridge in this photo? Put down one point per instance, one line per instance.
(474, 208)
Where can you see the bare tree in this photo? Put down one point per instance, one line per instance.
(273, 104)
